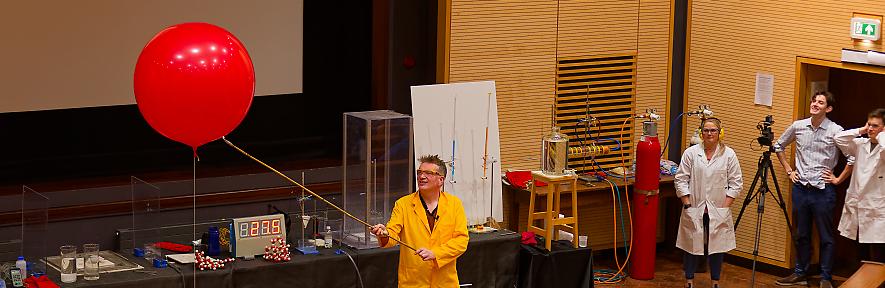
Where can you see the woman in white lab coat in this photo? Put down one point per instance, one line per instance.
(708, 181)
(863, 216)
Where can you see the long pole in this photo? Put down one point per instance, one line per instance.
(485, 153)
(454, 121)
(311, 192)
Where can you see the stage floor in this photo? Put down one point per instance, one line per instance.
(668, 273)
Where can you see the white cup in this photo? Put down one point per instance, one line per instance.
(582, 241)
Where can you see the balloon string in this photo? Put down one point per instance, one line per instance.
(312, 193)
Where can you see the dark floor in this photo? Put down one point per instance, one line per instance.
(668, 273)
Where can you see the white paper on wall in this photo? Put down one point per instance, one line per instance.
(764, 88)
(451, 119)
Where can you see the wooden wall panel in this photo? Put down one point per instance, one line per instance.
(512, 43)
(515, 44)
(653, 65)
(730, 41)
(597, 27)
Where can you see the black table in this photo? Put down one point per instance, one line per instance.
(564, 266)
(490, 261)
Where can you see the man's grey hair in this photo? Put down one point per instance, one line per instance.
(434, 159)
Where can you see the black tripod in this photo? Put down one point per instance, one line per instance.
(763, 168)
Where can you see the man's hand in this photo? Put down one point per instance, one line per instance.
(425, 254)
(379, 230)
(830, 178)
(794, 176)
(865, 129)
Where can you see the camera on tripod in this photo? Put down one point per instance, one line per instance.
(766, 137)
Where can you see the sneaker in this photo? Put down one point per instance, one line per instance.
(793, 279)
(824, 283)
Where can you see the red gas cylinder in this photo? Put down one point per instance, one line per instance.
(645, 203)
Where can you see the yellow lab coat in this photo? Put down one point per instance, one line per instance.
(448, 240)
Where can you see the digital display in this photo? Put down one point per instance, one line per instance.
(250, 235)
(258, 228)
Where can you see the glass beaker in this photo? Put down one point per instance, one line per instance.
(91, 261)
(554, 152)
(68, 263)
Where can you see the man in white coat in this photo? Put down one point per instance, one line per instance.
(708, 181)
(863, 216)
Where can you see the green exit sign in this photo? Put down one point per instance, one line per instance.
(865, 28)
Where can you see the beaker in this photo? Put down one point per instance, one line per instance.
(91, 261)
(68, 263)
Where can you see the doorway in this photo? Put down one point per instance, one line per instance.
(858, 90)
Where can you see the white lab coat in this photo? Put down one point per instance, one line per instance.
(863, 215)
(707, 183)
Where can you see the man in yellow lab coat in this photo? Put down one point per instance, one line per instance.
(434, 223)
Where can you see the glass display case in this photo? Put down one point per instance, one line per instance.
(34, 234)
(145, 212)
(378, 169)
(10, 235)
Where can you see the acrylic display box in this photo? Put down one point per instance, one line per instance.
(378, 169)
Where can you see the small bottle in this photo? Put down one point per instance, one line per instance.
(22, 264)
(327, 236)
(214, 247)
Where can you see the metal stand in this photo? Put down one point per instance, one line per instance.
(763, 168)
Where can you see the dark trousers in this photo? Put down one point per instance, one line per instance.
(813, 204)
(690, 261)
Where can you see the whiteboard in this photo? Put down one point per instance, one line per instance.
(451, 119)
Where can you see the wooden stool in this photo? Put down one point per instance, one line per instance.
(552, 223)
(871, 274)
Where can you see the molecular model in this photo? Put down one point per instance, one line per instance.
(208, 263)
(277, 251)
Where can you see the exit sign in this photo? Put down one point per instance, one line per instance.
(865, 28)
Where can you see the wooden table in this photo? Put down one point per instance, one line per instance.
(595, 210)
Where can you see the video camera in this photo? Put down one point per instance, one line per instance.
(766, 137)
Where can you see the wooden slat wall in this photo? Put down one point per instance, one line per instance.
(653, 65)
(515, 44)
(512, 43)
(731, 40)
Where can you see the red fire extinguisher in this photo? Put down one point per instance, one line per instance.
(645, 203)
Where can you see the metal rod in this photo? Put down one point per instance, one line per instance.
(454, 137)
(485, 153)
(492, 197)
(312, 193)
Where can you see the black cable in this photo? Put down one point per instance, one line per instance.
(670, 132)
(355, 267)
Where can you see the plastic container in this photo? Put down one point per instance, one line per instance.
(23, 265)
(327, 237)
(214, 248)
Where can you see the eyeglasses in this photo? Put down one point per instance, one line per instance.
(711, 131)
(426, 172)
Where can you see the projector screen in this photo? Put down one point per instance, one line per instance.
(69, 54)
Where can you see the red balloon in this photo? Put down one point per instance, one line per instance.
(194, 83)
